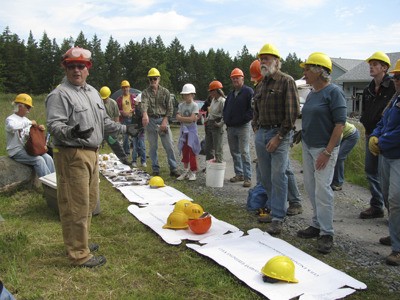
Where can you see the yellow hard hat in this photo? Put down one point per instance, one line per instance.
(24, 99)
(194, 211)
(396, 67)
(379, 55)
(153, 72)
(156, 182)
(319, 59)
(177, 220)
(269, 49)
(181, 205)
(105, 92)
(280, 267)
(125, 83)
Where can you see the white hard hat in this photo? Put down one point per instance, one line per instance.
(188, 88)
(138, 98)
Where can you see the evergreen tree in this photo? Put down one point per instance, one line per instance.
(48, 71)
(175, 62)
(34, 64)
(98, 73)
(291, 66)
(115, 69)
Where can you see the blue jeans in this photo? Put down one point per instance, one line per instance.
(371, 170)
(293, 191)
(239, 146)
(139, 148)
(317, 183)
(126, 144)
(389, 171)
(272, 167)
(346, 145)
(166, 140)
(42, 164)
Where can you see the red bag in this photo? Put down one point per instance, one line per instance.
(36, 143)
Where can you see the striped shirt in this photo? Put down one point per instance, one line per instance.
(277, 102)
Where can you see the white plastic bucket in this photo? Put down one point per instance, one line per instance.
(215, 173)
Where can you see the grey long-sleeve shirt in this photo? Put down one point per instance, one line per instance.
(68, 105)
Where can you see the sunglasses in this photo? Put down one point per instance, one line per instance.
(396, 76)
(73, 66)
(153, 78)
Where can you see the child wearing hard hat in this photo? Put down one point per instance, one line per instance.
(189, 144)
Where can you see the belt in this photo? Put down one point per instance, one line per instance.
(270, 126)
(82, 148)
(156, 116)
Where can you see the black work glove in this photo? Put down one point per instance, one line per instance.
(132, 130)
(296, 137)
(76, 133)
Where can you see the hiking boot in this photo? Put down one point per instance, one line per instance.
(372, 213)
(247, 183)
(174, 173)
(336, 187)
(191, 176)
(308, 233)
(294, 209)
(325, 244)
(386, 241)
(95, 261)
(265, 218)
(237, 178)
(393, 259)
(262, 211)
(184, 175)
(275, 228)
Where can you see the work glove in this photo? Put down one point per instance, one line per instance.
(132, 130)
(373, 145)
(76, 133)
(296, 138)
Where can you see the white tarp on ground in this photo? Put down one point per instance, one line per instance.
(156, 216)
(245, 256)
(144, 195)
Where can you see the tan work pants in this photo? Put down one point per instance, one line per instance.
(77, 194)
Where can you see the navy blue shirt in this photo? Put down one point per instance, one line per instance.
(237, 110)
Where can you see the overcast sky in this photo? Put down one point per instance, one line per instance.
(340, 28)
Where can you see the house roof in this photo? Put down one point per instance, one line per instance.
(360, 72)
(345, 64)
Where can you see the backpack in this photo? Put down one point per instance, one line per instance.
(36, 143)
(257, 198)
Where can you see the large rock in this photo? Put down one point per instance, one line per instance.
(14, 174)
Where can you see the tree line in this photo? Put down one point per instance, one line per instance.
(34, 66)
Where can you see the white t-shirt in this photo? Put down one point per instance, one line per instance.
(187, 109)
(17, 129)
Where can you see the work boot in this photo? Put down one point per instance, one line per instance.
(372, 213)
(325, 244)
(265, 218)
(262, 211)
(393, 259)
(275, 227)
(247, 183)
(237, 178)
(308, 233)
(386, 241)
(336, 187)
(294, 209)
(184, 175)
(95, 261)
(174, 173)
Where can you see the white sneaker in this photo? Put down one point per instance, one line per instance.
(184, 175)
(191, 176)
(134, 165)
(144, 165)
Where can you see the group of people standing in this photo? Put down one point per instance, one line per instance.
(78, 121)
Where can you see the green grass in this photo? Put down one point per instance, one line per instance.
(140, 265)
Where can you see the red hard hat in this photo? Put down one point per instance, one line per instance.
(255, 71)
(215, 85)
(236, 72)
(201, 225)
(77, 54)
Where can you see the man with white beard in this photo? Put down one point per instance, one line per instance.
(276, 108)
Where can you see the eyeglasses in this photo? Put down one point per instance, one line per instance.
(153, 78)
(396, 76)
(27, 107)
(73, 66)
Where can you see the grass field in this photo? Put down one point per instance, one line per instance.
(140, 265)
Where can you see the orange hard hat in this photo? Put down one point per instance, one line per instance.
(77, 54)
(215, 85)
(255, 71)
(201, 225)
(236, 72)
